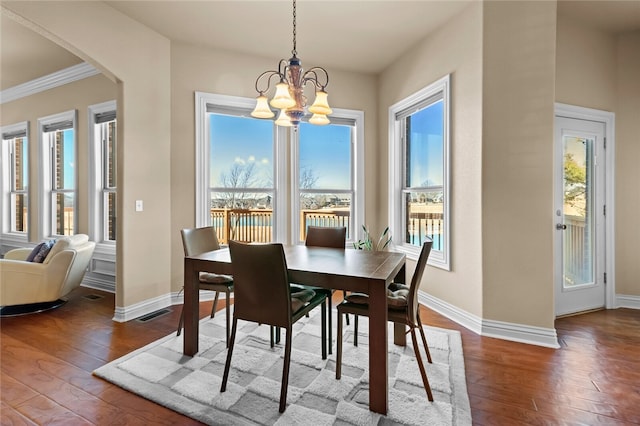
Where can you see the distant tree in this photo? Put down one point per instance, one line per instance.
(575, 183)
(239, 176)
(308, 178)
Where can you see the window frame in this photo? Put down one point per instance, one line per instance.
(285, 224)
(243, 107)
(98, 218)
(6, 184)
(357, 175)
(440, 89)
(46, 218)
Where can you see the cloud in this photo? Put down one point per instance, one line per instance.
(239, 160)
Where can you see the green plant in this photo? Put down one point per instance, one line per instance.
(368, 244)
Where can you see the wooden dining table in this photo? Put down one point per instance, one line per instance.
(349, 269)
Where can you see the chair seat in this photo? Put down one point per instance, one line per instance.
(300, 297)
(207, 277)
(396, 298)
(393, 315)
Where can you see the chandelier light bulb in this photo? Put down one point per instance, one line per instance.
(321, 104)
(282, 98)
(319, 120)
(283, 119)
(262, 109)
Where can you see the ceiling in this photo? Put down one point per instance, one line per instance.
(352, 35)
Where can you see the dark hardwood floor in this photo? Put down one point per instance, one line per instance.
(47, 359)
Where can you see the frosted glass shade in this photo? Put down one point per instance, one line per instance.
(262, 109)
(283, 119)
(282, 99)
(321, 104)
(319, 119)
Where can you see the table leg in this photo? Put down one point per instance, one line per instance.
(191, 309)
(378, 364)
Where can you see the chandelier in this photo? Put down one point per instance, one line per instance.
(289, 97)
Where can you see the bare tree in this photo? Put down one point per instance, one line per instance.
(240, 176)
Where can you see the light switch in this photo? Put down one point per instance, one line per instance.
(139, 206)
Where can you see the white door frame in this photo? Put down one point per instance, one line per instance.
(608, 118)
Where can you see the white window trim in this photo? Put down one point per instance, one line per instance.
(96, 165)
(44, 192)
(439, 259)
(357, 176)
(5, 186)
(202, 160)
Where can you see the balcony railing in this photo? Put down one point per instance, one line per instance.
(421, 225)
(578, 265)
(256, 225)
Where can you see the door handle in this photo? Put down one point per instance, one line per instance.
(561, 226)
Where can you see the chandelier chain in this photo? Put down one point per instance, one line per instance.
(294, 51)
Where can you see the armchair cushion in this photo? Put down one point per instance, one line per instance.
(42, 254)
(35, 251)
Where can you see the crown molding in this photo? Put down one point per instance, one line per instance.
(58, 78)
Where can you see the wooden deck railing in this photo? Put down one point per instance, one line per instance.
(256, 225)
(578, 265)
(421, 225)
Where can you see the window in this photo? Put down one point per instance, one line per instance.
(102, 172)
(419, 172)
(243, 173)
(58, 175)
(14, 156)
(326, 174)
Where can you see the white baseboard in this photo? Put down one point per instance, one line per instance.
(464, 318)
(627, 301)
(538, 336)
(98, 284)
(127, 313)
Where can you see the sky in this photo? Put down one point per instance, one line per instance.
(69, 159)
(426, 168)
(326, 150)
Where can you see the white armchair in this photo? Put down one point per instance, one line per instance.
(23, 282)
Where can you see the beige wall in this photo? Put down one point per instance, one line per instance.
(586, 66)
(138, 60)
(222, 72)
(75, 96)
(517, 174)
(454, 49)
(599, 70)
(628, 164)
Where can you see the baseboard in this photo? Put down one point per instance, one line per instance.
(464, 318)
(627, 301)
(521, 333)
(98, 284)
(127, 313)
(538, 336)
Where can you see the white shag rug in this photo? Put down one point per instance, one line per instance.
(191, 385)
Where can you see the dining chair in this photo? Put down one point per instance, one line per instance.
(403, 308)
(263, 295)
(332, 237)
(200, 240)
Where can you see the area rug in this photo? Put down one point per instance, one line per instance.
(191, 385)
